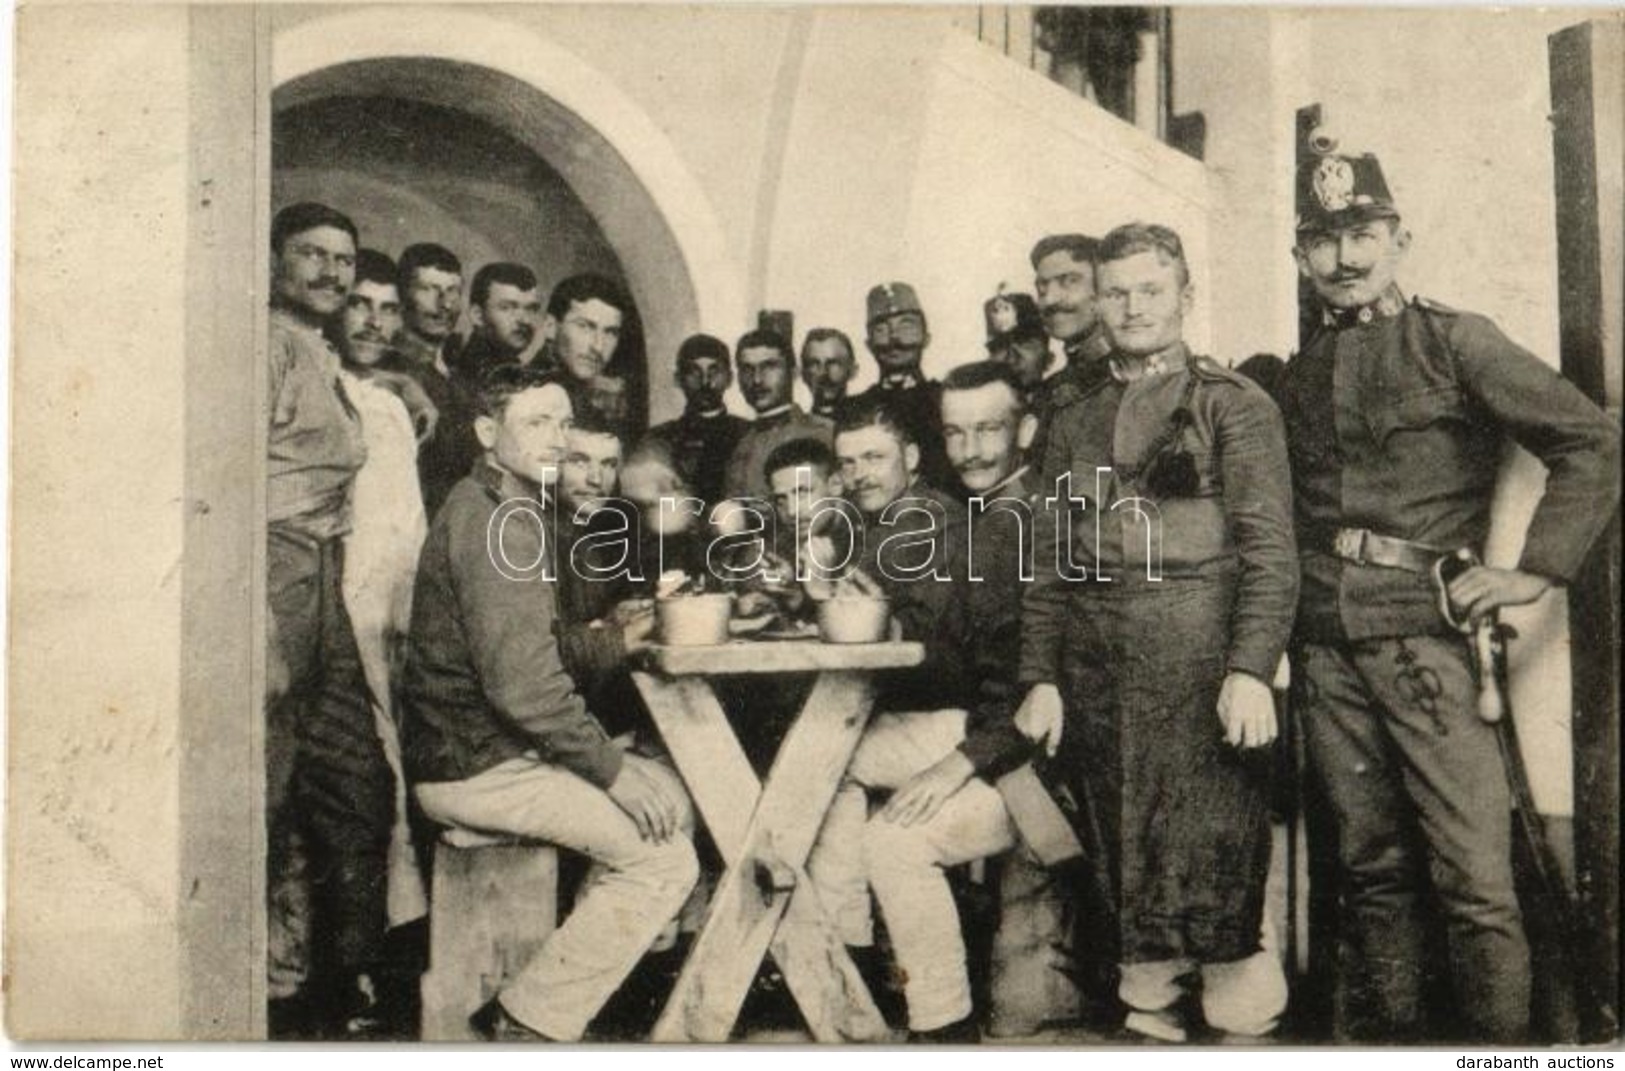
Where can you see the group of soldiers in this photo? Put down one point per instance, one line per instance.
(1106, 565)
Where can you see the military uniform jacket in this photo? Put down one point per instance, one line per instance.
(989, 585)
(1396, 419)
(1085, 368)
(745, 477)
(485, 680)
(701, 446)
(1238, 518)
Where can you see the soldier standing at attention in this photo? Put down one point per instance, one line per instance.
(1396, 413)
(1160, 653)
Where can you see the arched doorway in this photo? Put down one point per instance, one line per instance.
(605, 189)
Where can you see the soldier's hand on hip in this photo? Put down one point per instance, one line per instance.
(1482, 590)
(1041, 715)
(1247, 710)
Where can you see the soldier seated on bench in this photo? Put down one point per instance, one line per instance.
(939, 763)
(497, 739)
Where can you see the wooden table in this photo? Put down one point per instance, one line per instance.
(765, 901)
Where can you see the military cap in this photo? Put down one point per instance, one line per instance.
(1339, 191)
(1012, 318)
(889, 299)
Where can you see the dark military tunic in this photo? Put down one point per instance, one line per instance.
(451, 453)
(911, 549)
(701, 445)
(1396, 421)
(989, 585)
(1140, 662)
(745, 476)
(1397, 415)
(1085, 365)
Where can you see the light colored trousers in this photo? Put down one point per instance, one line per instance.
(1244, 997)
(905, 864)
(633, 890)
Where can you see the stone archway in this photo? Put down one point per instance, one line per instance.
(623, 168)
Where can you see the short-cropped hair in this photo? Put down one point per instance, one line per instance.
(420, 255)
(979, 374)
(766, 340)
(1080, 247)
(590, 421)
(499, 385)
(825, 334)
(814, 453)
(872, 411)
(695, 347)
(371, 266)
(515, 275)
(583, 288)
(1132, 238)
(307, 216)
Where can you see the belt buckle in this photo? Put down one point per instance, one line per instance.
(1349, 543)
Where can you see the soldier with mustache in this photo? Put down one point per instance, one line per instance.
(898, 335)
(1397, 415)
(505, 308)
(328, 791)
(432, 294)
(431, 288)
(1064, 282)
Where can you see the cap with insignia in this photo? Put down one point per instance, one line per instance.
(1012, 318)
(889, 299)
(1339, 191)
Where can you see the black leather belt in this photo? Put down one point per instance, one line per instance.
(1365, 547)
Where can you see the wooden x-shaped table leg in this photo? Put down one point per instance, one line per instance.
(765, 900)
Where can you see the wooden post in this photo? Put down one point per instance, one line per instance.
(222, 830)
(1587, 103)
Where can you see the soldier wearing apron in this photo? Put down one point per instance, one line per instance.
(1162, 602)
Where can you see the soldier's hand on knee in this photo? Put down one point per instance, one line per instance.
(1247, 711)
(645, 799)
(1482, 590)
(1041, 715)
(922, 796)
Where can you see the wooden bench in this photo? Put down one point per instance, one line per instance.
(493, 900)
(1028, 987)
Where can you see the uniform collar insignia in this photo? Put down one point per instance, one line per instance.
(1126, 369)
(1386, 307)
